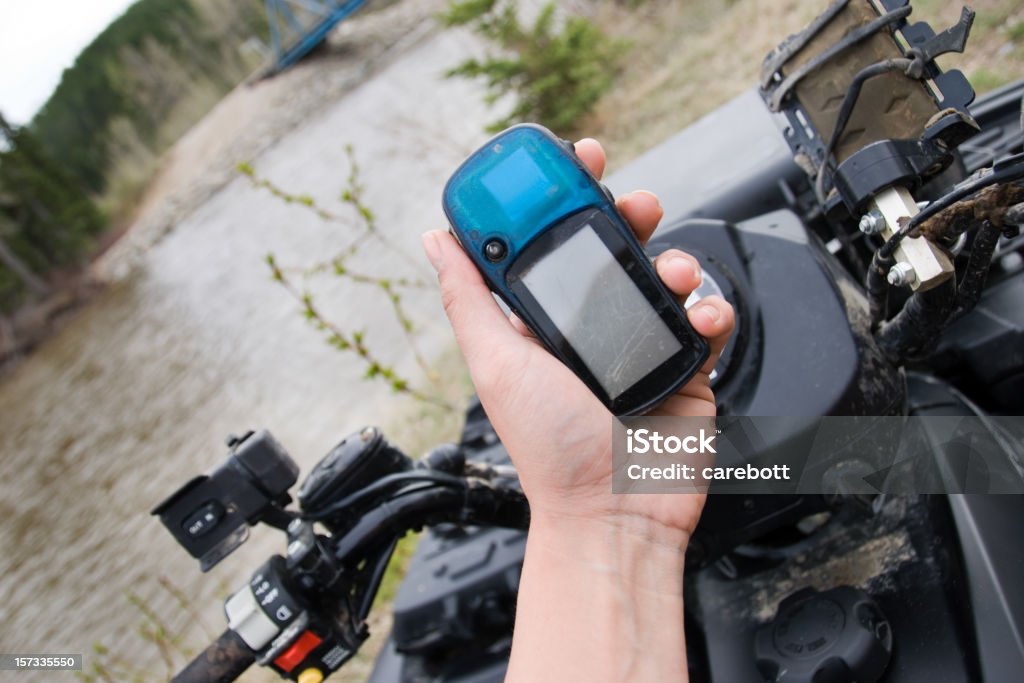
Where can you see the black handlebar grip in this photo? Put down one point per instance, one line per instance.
(223, 661)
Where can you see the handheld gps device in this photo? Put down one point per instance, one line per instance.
(549, 242)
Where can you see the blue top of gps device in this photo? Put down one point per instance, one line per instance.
(515, 186)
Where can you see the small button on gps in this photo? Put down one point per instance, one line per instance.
(495, 250)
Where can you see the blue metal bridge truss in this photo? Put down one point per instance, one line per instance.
(298, 26)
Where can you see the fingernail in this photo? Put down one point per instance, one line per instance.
(652, 196)
(432, 248)
(680, 261)
(712, 313)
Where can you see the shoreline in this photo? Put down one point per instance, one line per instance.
(251, 118)
(24, 330)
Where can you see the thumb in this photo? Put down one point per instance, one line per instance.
(481, 328)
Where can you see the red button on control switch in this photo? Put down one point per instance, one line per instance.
(293, 656)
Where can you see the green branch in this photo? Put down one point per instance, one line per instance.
(355, 341)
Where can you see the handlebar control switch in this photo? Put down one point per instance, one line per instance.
(209, 515)
(310, 676)
(249, 621)
(296, 635)
(264, 608)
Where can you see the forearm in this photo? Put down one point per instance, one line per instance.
(600, 601)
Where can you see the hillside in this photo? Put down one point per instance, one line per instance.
(70, 180)
(140, 84)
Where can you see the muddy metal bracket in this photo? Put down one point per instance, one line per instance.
(871, 117)
(917, 112)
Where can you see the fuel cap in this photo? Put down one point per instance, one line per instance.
(836, 636)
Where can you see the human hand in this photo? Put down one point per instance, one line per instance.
(556, 431)
(600, 597)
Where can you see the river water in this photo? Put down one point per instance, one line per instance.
(136, 393)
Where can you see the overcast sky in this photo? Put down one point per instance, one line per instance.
(38, 40)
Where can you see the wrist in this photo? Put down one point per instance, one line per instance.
(598, 534)
(600, 599)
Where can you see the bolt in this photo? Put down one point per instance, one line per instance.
(872, 222)
(297, 548)
(901, 274)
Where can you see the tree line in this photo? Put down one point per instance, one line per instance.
(46, 219)
(129, 94)
(160, 66)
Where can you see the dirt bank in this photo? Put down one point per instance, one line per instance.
(256, 114)
(248, 121)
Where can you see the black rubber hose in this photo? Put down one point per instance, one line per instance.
(380, 565)
(475, 504)
(223, 661)
(778, 57)
(396, 516)
(381, 486)
(915, 330)
(973, 281)
(878, 289)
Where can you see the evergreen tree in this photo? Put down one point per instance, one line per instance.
(46, 219)
(556, 73)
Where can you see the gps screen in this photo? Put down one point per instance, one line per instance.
(600, 311)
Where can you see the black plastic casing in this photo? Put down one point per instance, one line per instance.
(658, 384)
(209, 513)
(358, 460)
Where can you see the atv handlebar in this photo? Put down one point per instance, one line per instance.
(222, 661)
(307, 610)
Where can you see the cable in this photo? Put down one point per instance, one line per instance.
(1008, 170)
(408, 509)
(373, 585)
(877, 288)
(970, 286)
(438, 478)
(903, 64)
(915, 330)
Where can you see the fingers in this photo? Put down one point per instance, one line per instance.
(592, 155)
(641, 209)
(519, 326)
(712, 317)
(679, 271)
(479, 323)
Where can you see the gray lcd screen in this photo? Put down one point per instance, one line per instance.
(600, 312)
